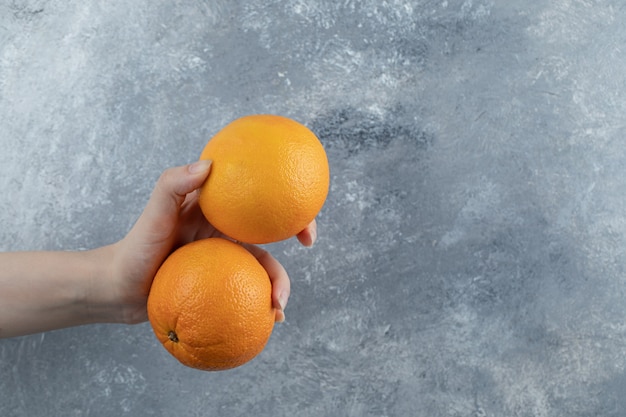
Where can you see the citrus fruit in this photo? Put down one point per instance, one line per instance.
(210, 305)
(268, 181)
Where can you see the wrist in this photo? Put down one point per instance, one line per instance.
(96, 298)
(115, 295)
(103, 299)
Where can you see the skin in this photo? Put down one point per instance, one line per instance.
(42, 291)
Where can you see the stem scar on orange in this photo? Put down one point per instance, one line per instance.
(268, 181)
(210, 305)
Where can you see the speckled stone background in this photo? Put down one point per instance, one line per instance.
(472, 251)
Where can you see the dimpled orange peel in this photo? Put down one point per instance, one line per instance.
(210, 305)
(269, 179)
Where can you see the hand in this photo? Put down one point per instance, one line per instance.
(171, 219)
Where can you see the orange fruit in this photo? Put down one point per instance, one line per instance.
(268, 181)
(210, 305)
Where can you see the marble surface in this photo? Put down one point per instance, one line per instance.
(472, 249)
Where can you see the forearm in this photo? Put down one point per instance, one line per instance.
(42, 291)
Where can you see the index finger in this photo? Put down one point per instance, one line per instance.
(281, 285)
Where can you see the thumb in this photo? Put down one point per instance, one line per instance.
(170, 191)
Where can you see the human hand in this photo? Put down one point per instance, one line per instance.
(171, 219)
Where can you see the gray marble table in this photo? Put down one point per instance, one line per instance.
(472, 251)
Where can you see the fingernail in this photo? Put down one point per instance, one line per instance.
(200, 166)
(280, 317)
(282, 301)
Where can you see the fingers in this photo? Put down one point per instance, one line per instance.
(309, 235)
(170, 192)
(172, 198)
(281, 286)
(192, 224)
(175, 183)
